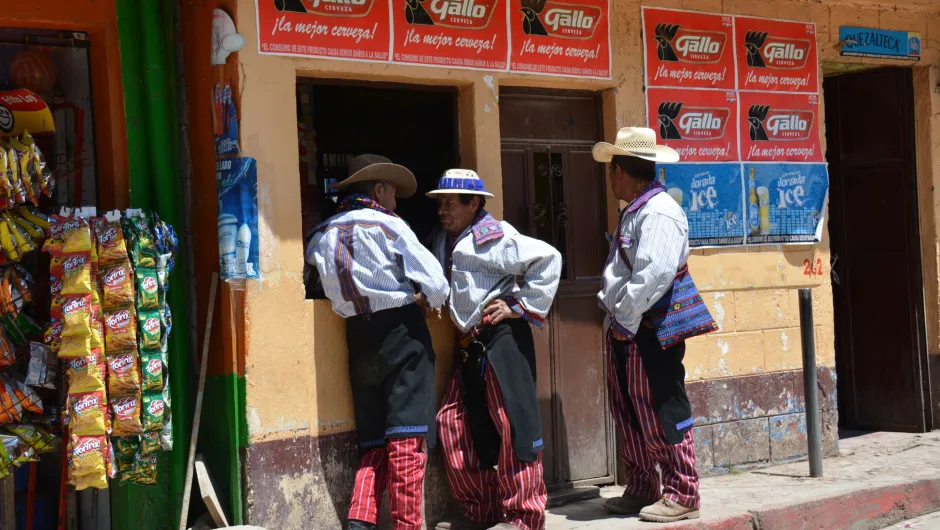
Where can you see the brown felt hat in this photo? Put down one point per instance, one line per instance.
(365, 168)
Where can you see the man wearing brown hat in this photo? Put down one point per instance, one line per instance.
(377, 276)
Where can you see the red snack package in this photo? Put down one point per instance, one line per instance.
(88, 413)
(74, 271)
(123, 372)
(120, 330)
(126, 419)
(117, 285)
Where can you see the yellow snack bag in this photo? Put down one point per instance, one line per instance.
(88, 413)
(68, 235)
(72, 346)
(74, 269)
(88, 461)
(75, 310)
(86, 374)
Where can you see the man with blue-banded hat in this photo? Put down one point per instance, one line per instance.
(502, 283)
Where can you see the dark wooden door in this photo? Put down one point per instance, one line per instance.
(877, 291)
(553, 190)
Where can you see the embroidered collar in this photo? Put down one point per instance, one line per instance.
(485, 228)
(358, 201)
(650, 191)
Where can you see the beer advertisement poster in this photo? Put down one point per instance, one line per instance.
(451, 33)
(349, 30)
(777, 127)
(702, 125)
(688, 49)
(786, 202)
(237, 188)
(776, 55)
(566, 38)
(711, 197)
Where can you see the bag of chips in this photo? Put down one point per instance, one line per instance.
(123, 372)
(149, 443)
(120, 329)
(43, 366)
(74, 271)
(126, 418)
(141, 248)
(89, 458)
(96, 339)
(143, 471)
(150, 325)
(126, 445)
(117, 285)
(86, 374)
(68, 235)
(111, 244)
(148, 289)
(88, 413)
(27, 397)
(154, 406)
(7, 353)
(75, 312)
(151, 370)
(33, 436)
(11, 410)
(73, 346)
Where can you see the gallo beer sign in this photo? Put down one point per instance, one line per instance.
(778, 127)
(335, 29)
(568, 38)
(451, 33)
(686, 49)
(701, 125)
(776, 55)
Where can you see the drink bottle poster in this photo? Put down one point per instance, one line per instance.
(688, 49)
(701, 125)
(451, 33)
(237, 188)
(357, 30)
(711, 195)
(779, 127)
(786, 202)
(565, 38)
(776, 55)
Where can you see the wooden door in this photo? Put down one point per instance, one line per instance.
(877, 291)
(554, 191)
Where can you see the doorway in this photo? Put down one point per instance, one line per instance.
(554, 191)
(877, 284)
(415, 126)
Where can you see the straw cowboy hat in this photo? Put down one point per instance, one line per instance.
(462, 181)
(366, 168)
(635, 141)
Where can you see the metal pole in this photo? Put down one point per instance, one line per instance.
(810, 387)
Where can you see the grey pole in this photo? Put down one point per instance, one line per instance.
(810, 387)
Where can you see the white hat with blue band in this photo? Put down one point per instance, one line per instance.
(460, 181)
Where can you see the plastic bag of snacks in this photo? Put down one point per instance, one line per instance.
(89, 460)
(151, 370)
(149, 443)
(110, 237)
(150, 323)
(43, 366)
(117, 285)
(75, 312)
(123, 372)
(27, 397)
(148, 289)
(126, 417)
(120, 329)
(74, 271)
(86, 374)
(11, 409)
(34, 436)
(88, 413)
(68, 235)
(154, 406)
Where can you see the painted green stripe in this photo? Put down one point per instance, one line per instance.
(220, 439)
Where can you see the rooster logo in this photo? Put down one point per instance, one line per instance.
(664, 35)
(416, 14)
(668, 113)
(755, 118)
(294, 6)
(753, 41)
(531, 25)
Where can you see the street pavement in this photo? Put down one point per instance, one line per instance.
(924, 522)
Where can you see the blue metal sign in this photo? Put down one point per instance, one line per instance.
(882, 43)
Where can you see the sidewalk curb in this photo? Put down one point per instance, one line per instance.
(867, 508)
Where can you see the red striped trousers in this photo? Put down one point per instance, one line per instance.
(642, 449)
(399, 466)
(514, 492)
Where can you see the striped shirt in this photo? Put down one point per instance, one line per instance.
(491, 260)
(654, 236)
(370, 261)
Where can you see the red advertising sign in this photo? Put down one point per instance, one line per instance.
(687, 49)
(337, 29)
(452, 33)
(776, 55)
(777, 127)
(702, 125)
(560, 37)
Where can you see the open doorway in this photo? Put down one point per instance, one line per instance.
(414, 126)
(877, 288)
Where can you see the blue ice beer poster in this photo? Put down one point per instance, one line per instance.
(786, 202)
(237, 186)
(711, 195)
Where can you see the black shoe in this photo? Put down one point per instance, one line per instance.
(359, 525)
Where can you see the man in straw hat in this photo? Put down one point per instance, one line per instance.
(501, 283)
(376, 274)
(652, 306)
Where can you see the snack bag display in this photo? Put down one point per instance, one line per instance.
(140, 249)
(126, 415)
(89, 458)
(96, 339)
(7, 354)
(86, 374)
(43, 366)
(33, 436)
(27, 397)
(143, 470)
(149, 443)
(120, 329)
(75, 310)
(11, 410)
(73, 346)
(154, 406)
(123, 372)
(74, 271)
(148, 289)
(110, 237)
(151, 329)
(88, 413)
(117, 287)
(125, 445)
(68, 235)
(151, 370)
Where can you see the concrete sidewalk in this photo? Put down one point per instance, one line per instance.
(879, 479)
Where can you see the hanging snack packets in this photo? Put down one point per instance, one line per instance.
(151, 370)
(43, 366)
(86, 374)
(151, 329)
(111, 244)
(126, 418)
(88, 413)
(34, 436)
(143, 470)
(73, 346)
(7, 353)
(148, 288)
(74, 270)
(11, 410)
(149, 443)
(26, 396)
(117, 286)
(141, 248)
(166, 434)
(123, 372)
(120, 330)
(153, 412)
(89, 458)
(96, 339)
(75, 311)
(68, 235)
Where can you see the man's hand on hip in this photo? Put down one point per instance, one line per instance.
(498, 310)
